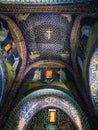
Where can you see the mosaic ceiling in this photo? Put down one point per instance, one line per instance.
(47, 36)
(47, 50)
(41, 43)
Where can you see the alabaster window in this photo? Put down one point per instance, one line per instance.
(52, 115)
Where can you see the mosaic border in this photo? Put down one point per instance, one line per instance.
(83, 8)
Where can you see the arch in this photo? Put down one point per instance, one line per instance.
(3, 78)
(40, 99)
(74, 40)
(21, 47)
(91, 50)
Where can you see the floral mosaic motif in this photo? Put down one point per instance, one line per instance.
(93, 77)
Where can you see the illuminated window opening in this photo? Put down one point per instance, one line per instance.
(8, 47)
(52, 116)
(49, 73)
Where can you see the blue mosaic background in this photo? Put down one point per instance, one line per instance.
(35, 29)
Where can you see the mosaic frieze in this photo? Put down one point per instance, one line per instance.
(93, 77)
(48, 75)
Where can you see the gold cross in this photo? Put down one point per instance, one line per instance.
(49, 33)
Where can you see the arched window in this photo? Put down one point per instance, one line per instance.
(93, 77)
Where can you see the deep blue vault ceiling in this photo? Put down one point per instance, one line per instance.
(47, 36)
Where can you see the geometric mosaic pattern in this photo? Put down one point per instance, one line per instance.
(46, 36)
(93, 77)
(40, 120)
